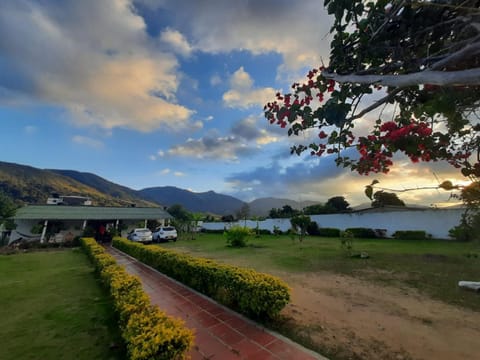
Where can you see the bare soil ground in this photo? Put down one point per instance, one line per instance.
(358, 319)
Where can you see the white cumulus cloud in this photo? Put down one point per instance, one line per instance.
(242, 93)
(176, 41)
(93, 58)
(86, 141)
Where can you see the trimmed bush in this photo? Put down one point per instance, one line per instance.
(410, 235)
(362, 233)
(329, 232)
(148, 332)
(313, 229)
(237, 236)
(247, 291)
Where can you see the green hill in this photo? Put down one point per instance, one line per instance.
(29, 185)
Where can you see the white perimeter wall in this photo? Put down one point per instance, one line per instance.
(436, 222)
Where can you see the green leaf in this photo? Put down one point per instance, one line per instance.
(369, 192)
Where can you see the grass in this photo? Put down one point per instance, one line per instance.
(52, 307)
(434, 267)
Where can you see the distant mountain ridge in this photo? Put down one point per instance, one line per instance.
(262, 206)
(30, 185)
(210, 201)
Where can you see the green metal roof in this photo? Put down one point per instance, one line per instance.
(59, 212)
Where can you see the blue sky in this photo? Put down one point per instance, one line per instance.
(160, 92)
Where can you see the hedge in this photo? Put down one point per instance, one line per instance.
(213, 231)
(362, 233)
(148, 332)
(329, 232)
(411, 235)
(249, 292)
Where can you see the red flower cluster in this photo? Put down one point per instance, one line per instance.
(395, 132)
(372, 160)
(376, 150)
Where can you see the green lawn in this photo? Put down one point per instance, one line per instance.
(52, 307)
(432, 266)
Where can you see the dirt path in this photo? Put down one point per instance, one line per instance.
(357, 319)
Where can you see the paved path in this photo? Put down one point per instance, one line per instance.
(220, 333)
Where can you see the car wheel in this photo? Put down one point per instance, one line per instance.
(175, 239)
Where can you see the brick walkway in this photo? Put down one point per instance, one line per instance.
(220, 334)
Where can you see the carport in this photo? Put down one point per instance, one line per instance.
(77, 218)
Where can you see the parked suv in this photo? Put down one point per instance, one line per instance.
(165, 233)
(142, 235)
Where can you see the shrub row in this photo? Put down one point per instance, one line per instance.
(329, 232)
(212, 231)
(148, 332)
(411, 235)
(362, 233)
(247, 291)
(262, 231)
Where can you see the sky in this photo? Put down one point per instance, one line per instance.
(171, 93)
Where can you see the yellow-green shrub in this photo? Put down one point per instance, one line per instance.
(247, 291)
(148, 332)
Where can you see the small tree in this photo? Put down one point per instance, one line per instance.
(182, 218)
(243, 212)
(228, 218)
(338, 203)
(7, 210)
(237, 236)
(318, 209)
(382, 198)
(300, 224)
(285, 212)
(346, 243)
(196, 217)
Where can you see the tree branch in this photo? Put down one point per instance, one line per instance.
(410, 189)
(441, 78)
(469, 50)
(376, 104)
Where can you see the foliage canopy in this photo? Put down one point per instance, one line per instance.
(418, 61)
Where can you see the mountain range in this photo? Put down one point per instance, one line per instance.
(30, 185)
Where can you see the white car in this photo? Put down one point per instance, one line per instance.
(142, 235)
(165, 233)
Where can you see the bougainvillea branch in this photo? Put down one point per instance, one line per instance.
(422, 59)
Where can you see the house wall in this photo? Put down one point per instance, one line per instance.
(436, 222)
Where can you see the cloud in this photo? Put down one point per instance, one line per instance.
(215, 80)
(30, 129)
(244, 138)
(250, 130)
(211, 146)
(92, 58)
(318, 179)
(176, 41)
(246, 128)
(179, 173)
(243, 95)
(86, 141)
(266, 138)
(261, 27)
